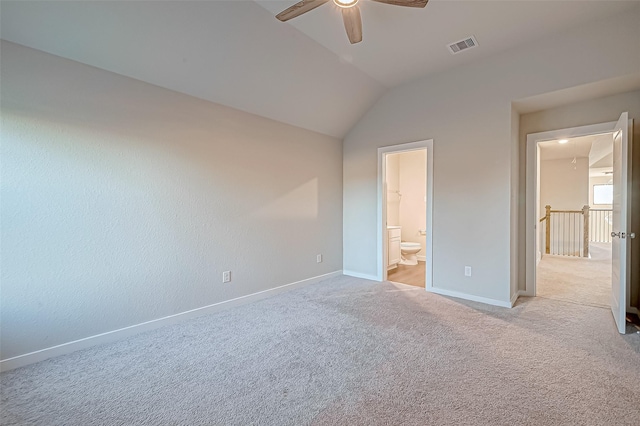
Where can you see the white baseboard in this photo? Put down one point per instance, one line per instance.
(112, 336)
(421, 258)
(471, 297)
(360, 275)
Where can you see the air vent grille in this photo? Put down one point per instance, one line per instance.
(461, 45)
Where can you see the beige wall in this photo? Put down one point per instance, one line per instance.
(413, 211)
(393, 187)
(123, 202)
(601, 110)
(467, 111)
(564, 185)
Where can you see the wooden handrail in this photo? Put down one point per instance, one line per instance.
(566, 211)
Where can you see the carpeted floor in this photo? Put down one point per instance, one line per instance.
(347, 351)
(577, 279)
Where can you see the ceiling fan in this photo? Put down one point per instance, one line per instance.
(350, 13)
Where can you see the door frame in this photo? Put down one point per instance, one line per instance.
(533, 190)
(382, 211)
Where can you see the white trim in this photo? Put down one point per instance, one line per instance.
(471, 297)
(360, 275)
(531, 190)
(525, 293)
(629, 202)
(421, 258)
(115, 335)
(514, 298)
(382, 211)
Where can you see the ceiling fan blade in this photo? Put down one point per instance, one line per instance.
(407, 3)
(299, 8)
(353, 23)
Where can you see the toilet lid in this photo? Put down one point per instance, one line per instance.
(407, 244)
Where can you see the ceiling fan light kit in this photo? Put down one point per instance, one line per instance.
(350, 13)
(345, 3)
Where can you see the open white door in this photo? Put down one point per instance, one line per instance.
(621, 216)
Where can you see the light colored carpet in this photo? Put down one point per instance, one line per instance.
(577, 279)
(347, 351)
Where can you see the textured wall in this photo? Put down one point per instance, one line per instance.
(123, 202)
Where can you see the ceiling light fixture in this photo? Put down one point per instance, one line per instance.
(563, 141)
(345, 3)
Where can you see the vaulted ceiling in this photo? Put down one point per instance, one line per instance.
(303, 72)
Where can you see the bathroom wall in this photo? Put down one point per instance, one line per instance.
(393, 186)
(413, 178)
(123, 202)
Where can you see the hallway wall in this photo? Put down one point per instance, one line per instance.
(564, 185)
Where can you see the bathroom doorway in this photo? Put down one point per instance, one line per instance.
(405, 205)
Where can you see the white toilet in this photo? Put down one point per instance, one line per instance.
(409, 251)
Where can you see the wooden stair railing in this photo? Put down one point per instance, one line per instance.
(585, 221)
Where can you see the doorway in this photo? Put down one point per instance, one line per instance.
(575, 219)
(575, 242)
(405, 205)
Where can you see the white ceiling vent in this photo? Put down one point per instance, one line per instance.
(461, 45)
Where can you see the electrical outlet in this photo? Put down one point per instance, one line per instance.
(319, 258)
(467, 271)
(226, 276)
